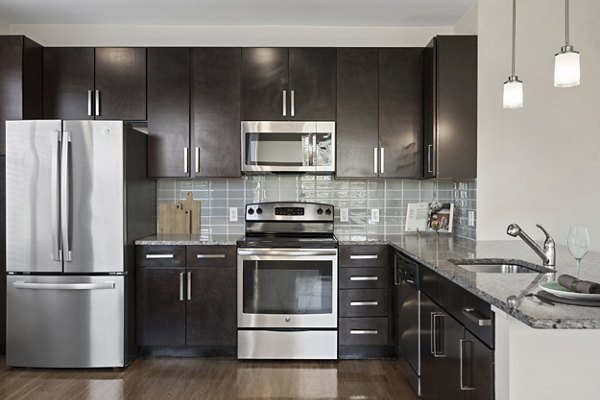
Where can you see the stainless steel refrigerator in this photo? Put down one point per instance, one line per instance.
(77, 197)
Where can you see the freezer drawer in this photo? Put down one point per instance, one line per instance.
(65, 321)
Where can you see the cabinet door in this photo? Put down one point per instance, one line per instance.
(312, 84)
(429, 112)
(211, 307)
(68, 82)
(401, 112)
(216, 112)
(264, 80)
(160, 307)
(429, 366)
(357, 112)
(478, 369)
(121, 82)
(168, 112)
(450, 332)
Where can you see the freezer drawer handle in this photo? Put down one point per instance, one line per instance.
(64, 286)
(148, 256)
(364, 331)
(210, 255)
(364, 256)
(473, 316)
(364, 303)
(364, 278)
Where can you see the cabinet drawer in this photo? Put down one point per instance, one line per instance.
(364, 278)
(160, 256)
(364, 331)
(364, 303)
(364, 256)
(211, 256)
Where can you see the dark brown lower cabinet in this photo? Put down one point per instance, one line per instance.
(454, 363)
(184, 310)
(211, 307)
(161, 314)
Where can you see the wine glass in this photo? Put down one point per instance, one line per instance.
(579, 243)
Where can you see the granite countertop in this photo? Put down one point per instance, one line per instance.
(189, 240)
(434, 252)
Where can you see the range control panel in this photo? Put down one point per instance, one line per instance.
(282, 211)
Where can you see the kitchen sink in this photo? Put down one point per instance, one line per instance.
(502, 267)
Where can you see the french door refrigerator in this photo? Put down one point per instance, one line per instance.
(76, 197)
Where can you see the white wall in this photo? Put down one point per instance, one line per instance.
(467, 24)
(4, 28)
(180, 35)
(541, 163)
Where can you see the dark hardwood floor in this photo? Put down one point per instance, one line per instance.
(184, 378)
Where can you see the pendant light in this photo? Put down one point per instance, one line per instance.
(566, 62)
(513, 87)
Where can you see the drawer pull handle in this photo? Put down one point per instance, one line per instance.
(364, 332)
(364, 256)
(364, 278)
(364, 303)
(159, 256)
(473, 316)
(210, 255)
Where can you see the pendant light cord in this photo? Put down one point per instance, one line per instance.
(566, 22)
(514, 35)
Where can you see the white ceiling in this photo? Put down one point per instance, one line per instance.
(236, 12)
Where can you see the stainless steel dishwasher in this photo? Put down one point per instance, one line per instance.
(407, 316)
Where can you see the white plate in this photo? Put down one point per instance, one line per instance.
(556, 289)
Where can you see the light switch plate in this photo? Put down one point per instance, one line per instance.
(233, 214)
(471, 218)
(343, 215)
(375, 215)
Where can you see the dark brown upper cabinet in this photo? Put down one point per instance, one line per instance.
(168, 111)
(450, 138)
(281, 84)
(216, 112)
(357, 112)
(101, 83)
(379, 113)
(20, 81)
(68, 82)
(120, 83)
(401, 112)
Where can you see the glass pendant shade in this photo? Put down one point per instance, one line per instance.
(566, 68)
(513, 93)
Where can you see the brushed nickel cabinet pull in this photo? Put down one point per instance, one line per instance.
(364, 256)
(364, 278)
(363, 303)
(364, 331)
(210, 255)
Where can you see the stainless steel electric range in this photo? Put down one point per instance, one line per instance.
(287, 282)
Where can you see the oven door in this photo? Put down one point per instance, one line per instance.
(287, 288)
(288, 146)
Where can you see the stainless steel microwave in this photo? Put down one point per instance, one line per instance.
(288, 146)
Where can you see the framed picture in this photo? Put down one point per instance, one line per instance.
(440, 217)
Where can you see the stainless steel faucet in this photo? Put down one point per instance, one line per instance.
(548, 253)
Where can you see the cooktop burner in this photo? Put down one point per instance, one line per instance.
(278, 242)
(289, 225)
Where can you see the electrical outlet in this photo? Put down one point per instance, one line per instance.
(343, 215)
(375, 214)
(471, 218)
(233, 214)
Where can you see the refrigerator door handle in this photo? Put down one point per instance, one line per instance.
(55, 199)
(63, 286)
(65, 182)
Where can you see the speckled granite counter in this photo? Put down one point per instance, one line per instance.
(434, 252)
(188, 240)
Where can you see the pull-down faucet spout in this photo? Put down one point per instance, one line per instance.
(547, 254)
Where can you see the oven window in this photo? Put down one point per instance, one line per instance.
(287, 287)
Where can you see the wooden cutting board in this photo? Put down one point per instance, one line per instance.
(181, 217)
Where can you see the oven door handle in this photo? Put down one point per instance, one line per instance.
(287, 252)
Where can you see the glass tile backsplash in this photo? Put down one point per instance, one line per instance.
(390, 196)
